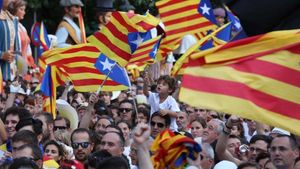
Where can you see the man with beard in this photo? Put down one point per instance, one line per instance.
(182, 121)
(48, 126)
(82, 144)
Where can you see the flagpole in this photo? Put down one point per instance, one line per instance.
(134, 102)
(102, 84)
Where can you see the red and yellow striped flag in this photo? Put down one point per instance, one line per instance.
(255, 78)
(78, 62)
(112, 40)
(182, 17)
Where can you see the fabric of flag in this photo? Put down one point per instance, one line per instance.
(113, 40)
(1, 4)
(111, 69)
(146, 51)
(171, 151)
(255, 78)
(78, 61)
(218, 37)
(51, 79)
(182, 17)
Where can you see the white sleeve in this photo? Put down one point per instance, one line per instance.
(62, 35)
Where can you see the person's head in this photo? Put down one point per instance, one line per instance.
(233, 144)
(48, 124)
(29, 104)
(159, 123)
(95, 158)
(11, 118)
(238, 130)
(6, 4)
(248, 165)
(61, 123)
(32, 151)
(197, 127)
(182, 121)
(81, 143)
(34, 125)
(101, 124)
(114, 163)
(133, 154)
(23, 137)
(106, 97)
(113, 142)
(200, 112)
(212, 131)
(166, 85)
(270, 165)
(104, 11)
(24, 162)
(207, 156)
(262, 159)
(72, 7)
(143, 115)
(126, 111)
(258, 144)
(126, 129)
(220, 14)
(283, 151)
(211, 114)
(54, 150)
(17, 8)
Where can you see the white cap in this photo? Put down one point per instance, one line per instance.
(225, 165)
(277, 130)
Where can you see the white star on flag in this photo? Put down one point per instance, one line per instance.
(237, 25)
(205, 9)
(138, 41)
(107, 65)
(154, 51)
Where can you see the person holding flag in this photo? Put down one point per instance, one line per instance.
(68, 32)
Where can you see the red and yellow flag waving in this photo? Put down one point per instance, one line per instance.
(256, 78)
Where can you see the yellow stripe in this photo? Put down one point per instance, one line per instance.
(179, 25)
(284, 58)
(181, 15)
(269, 41)
(82, 76)
(80, 64)
(149, 19)
(177, 5)
(260, 83)
(94, 88)
(239, 107)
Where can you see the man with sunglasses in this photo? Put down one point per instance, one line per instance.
(68, 32)
(159, 123)
(82, 144)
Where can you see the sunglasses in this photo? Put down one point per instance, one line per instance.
(160, 125)
(82, 144)
(125, 109)
(59, 128)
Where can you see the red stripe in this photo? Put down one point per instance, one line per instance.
(184, 19)
(120, 19)
(166, 5)
(81, 49)
(189, 28)
(146, 52)
(242, 91)
(88, 82)
(146, 25)
(75, 59)
(117, 34)
(113, 47)
(178, 11)
(81, 69)
(269, 69)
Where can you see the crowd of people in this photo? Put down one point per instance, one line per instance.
(119, 129)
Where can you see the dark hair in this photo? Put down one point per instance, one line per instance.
(113, 163)
(23, 162)
(247, 164)
(145, 112)
(95, 158)
(170, 81)
(25, 136)
(48, 116)
(167, 118)
(37, 153)
(101, 108)
(30, 101)
(201, 121)
(17, 111)
(128, 125)
(59, 147)
(81, 130)
(121, 137)
(36, 124)
(264, 138)
(68, 123)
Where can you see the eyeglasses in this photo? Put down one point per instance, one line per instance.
(59, 128)
(125, 109)
(82, 144)
(160, 125)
